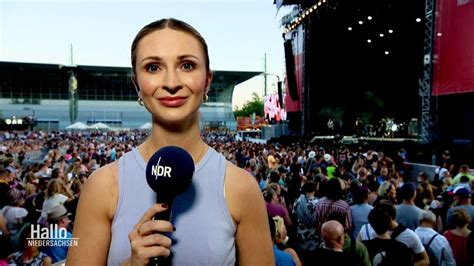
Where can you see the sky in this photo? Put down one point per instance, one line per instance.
(238, 33)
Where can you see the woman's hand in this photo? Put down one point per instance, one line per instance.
(145, 240)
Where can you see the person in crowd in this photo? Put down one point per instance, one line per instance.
(287, 256)
(274, 206)
(331, 253)
(458, 237)
(4, 187)
(28, 254)
(436, 245)
(462, 200)
(383, 249)
(352, 247)
(408, 214)
(463, 171)
(463, 182)
(55, 195)
(58, 216)
(332, 202)
(30, 184)
(398, 232)
(360, 210)
(171, 72)
(14, 213)
(304, 208)
(387, 191)
(383, 175)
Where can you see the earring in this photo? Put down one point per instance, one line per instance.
(140, 101)
(206, 97)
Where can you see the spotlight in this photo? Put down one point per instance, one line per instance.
(311, 9)
(369, 40)
(394, 127)
(349, 28)
(439, 34)
(369, 17)
(361, 22)
(387, 52)
(381, 34)
(307, 13)
(418, 19)
(320, 3)
(390, 31)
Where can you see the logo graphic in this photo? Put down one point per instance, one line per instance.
(159, 170)
(51, 236)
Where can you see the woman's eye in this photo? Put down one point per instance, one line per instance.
(152, 68)
(188, 66)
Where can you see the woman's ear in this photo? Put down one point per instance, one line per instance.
(135, 85)
(208, 82)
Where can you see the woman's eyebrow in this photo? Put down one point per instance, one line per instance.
(154, 58)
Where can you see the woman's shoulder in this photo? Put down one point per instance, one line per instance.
(102, 186)
(241, 190)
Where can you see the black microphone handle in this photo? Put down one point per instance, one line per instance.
(164, 215)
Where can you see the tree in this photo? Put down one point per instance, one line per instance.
(255, 105)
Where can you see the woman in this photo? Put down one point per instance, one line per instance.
(55, 195)
(227, 220)
(28, 255)
(458, 238)
(14, 213)
(274, 205)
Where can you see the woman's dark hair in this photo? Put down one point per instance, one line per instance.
(460, 217)
(173, 24)
(268, 194)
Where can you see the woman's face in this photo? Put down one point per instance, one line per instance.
(393, 192)
(172, 75)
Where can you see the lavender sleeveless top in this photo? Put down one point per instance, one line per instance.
(205, 232)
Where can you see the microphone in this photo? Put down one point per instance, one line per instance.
(168, 172)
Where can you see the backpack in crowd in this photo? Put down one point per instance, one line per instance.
(429, 251)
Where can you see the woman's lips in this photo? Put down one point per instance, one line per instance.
(172, 101)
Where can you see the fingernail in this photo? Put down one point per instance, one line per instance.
(164, 206)
(174, 229)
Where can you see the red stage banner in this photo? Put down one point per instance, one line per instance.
(453, 64)
(298, 42)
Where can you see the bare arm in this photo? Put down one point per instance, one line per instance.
(47, 261)
(293, 254)
(247, 207)
(421, 259)
(93, 218)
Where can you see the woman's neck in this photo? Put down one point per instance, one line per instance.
(461, 231)
(189, 139)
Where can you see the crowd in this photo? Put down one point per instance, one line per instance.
(352, 206)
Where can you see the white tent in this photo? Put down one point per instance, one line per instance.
(77, 125)
(99, 126)
(147, 125)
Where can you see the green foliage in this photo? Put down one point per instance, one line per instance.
(255, 105)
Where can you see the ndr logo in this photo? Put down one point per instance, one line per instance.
(159, 170)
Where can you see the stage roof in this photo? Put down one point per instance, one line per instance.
(19, 80)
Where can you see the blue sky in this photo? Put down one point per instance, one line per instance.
(238, 33)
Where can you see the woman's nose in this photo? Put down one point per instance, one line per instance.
(172, 81)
